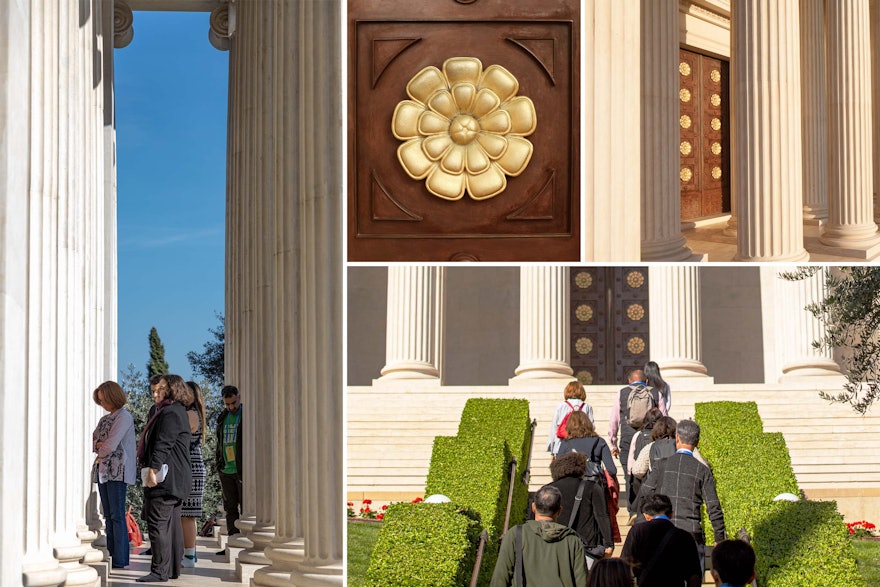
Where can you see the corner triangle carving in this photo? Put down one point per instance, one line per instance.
(384, 206)
(539, 206)
(543, 51)
(384, 51)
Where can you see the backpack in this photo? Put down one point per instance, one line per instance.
(135, 537)
(560, 430)
(595, 470)
(638, 403)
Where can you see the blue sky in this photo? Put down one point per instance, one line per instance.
(171, 96)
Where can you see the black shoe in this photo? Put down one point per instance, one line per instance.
(151, 578)
(221, 552)
(148, 552)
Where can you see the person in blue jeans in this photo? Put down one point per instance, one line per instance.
(114, 470)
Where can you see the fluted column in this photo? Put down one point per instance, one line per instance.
(814, 122)
(317, 194)
(797, 328)
(851, 229)
(676, 340)
(766, 142)
(544, 323)
(251, 184)
(414, 344)
(293, 368)
(875, 103)
(15, 58)
(660, 185)
(611, 122)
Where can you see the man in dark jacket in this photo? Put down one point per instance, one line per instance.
(228, 456)
(591, 521)
(167, 475)
(660, 554)
(552, 554)
(688, 483)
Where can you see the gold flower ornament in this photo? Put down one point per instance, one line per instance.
(464, 129)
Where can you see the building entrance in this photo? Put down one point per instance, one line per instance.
(609, 323)
(705, 135)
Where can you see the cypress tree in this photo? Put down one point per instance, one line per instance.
(157, 364)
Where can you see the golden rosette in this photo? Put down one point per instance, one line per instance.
(464, 129)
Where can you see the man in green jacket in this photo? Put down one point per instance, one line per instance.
(552, 554)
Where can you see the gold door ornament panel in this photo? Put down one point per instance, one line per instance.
(463, 131)
(705, 136)
(609, 323)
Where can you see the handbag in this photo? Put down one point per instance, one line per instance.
(135, 537)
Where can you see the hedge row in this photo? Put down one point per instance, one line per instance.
(508, 420)
(797, 543)
(472, 469)
(425, 544)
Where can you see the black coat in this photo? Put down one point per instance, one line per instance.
(167, 443)
(239, 454)
(592, 523)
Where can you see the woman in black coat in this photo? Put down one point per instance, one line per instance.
(591, 521)
(163, 454)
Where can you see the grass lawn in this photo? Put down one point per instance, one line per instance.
(868, 557)
(361, 540)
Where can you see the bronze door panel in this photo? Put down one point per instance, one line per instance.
(393, 216)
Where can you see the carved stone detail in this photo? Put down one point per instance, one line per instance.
(123, 19)
(222, 25)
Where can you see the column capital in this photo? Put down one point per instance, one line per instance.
(123, 21)
(222, 23)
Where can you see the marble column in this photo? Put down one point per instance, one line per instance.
(676, 339)
(797, 328)
(18, 529)
(851, 229)
(875, 103)
(610, 97)
(660, 185)
(251, 185)
(317, 194)
(414, 344)
(544, 350)
(766, 177)
(298, 104)
(814, 122)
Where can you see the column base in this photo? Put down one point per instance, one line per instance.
(317, 575)
(811, 369)
(284, 556)
(801, 255)
(46, 573)
(543, 370)
(410, 370)
(864, 246)
(672, 250)
(78, 575)
(731, 228)
(815, 215)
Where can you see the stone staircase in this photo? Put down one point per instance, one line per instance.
(390, 430)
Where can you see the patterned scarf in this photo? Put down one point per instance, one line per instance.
(142, 441)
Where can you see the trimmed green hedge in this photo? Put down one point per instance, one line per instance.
(474, 473)
(797, 543)
(508, 420)
(425, 545)
(804, 544)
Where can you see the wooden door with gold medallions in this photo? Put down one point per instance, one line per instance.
(705, 135)
(609, 323)
(463, 130)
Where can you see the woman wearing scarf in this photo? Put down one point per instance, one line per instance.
(115, 469)
(164, 447)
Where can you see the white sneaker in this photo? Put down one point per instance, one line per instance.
(188, 563)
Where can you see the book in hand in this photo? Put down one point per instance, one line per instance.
(160, 474)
